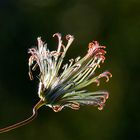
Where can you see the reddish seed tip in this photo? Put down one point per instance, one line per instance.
(68, 37)
(107, 79)
(107, 96)
(110, 74)
(100, 108)
(90, 45)
(57, 108)
(57, 34)
(95, 43)
(103, 47)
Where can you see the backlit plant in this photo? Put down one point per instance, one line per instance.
(63, 86)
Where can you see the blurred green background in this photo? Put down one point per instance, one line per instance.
(114, 23)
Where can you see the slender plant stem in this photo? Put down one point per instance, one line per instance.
(26, 121)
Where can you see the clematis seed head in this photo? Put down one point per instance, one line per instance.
(64, 85)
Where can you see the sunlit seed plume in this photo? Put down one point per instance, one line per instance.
(63, 85)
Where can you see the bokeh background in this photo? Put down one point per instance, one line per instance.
(114, 23)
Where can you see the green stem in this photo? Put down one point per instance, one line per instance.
(26, 121)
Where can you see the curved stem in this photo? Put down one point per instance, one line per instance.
(26, 121)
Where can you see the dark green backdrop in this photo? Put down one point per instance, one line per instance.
(114, 23)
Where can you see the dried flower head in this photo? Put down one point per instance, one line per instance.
(63, 85)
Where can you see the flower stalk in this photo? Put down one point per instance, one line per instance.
(26, 121)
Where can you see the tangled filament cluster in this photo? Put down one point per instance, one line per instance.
(63, 85)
